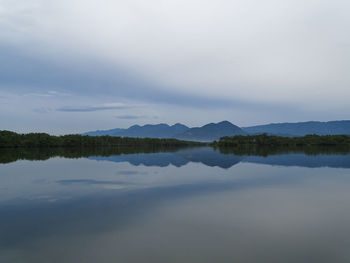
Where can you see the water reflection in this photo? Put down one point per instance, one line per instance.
(210, 157)
(224, 157)
(188, 205)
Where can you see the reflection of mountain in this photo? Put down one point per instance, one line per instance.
(211, 157)
(162, 157)
(204, 155)
(147, 159)
(302, 160)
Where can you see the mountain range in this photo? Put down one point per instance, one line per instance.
(210, 157)
(208, 132)
(301, 128)
(213, 131)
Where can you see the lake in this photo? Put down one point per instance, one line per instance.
(183, 205)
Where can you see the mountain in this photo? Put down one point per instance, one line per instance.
(112, 132)
(211, 132)
(149, 130)
(301, 128)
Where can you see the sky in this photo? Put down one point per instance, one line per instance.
(71, 66)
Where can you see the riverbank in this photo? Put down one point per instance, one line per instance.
(10, 139)
(270, 140)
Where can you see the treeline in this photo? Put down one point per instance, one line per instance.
(10, 139)
(270, 140)
(8, 155)
(263, 150)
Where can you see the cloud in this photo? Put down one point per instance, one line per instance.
(48, 94)
(130, 117)
(134, 117)
(106, 106)
(43, 110)
(88, 182)
(189, 60)
(242, 50)
(39, 95)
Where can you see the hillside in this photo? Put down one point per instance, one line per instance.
(211, 132)
(301, 128)
(146, 131)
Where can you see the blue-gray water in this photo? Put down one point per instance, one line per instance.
(192, 205)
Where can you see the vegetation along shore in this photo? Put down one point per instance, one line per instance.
(271, 140)
(10, 139)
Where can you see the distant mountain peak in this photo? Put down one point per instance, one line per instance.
(225, 123)
(211, 132)
(178, 125)
(160, 130)
(135, 126)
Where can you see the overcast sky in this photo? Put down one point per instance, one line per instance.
(78, 65)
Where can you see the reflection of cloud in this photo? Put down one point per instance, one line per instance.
(106, 106)
(130, 172)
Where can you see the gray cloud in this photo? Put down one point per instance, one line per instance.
(130, 117)
(134, 117)
(88, 182)
(48, 94)
(107, 106)
(248, 61)
(239, 50)
(43, 110)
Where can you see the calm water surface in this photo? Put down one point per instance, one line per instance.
(191, 205)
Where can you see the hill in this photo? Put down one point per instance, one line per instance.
(146, 131)
(208, 132)
(301, 128)
(211, 132)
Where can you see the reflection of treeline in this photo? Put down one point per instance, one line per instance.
(8, 155)
(10, 139)
(255, 150)
(271, 141)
